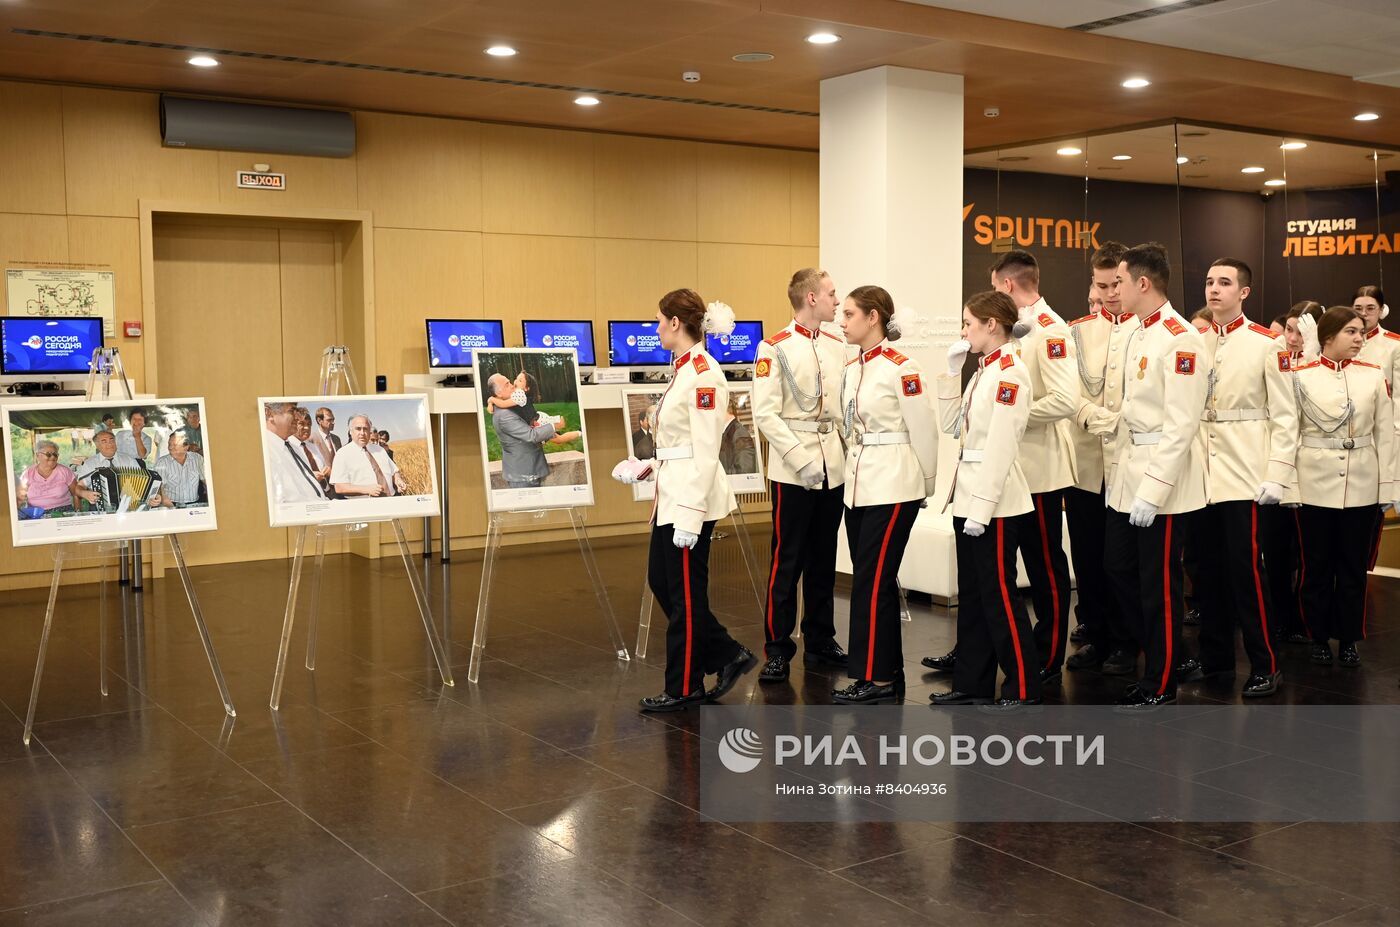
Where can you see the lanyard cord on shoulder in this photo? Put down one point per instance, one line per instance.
(1309, 408)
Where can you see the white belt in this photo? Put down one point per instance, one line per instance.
(884, 437)
(971, 454)
(1146, 437)
(1338, 444)
(1234, 415)
(824, 427)
(679, 452)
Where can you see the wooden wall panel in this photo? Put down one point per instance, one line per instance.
(113, 156)
(31, 154)
(646, 188)
(531, 276)
(421, 275)
(419, 173)
(745, 195)
(28, 239)
(536, 181)
(312, 183)
(751, 278)
(806, 197)
(633, 275)
(115, 244)
(310, 306)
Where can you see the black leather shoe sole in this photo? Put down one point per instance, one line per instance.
(940, 699)
(1261, 686)
(731, 672)
(655, 703)
(943, 664)
(879, 695)
(768, 675)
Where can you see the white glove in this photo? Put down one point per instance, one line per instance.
(1143, 514)
(684, 538)
(811, 474)
(957, 353)
(1307, 327)
(1102, 422)
(632, 470)
(1269, 493)
(974, 529)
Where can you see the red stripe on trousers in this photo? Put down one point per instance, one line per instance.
(1006, 603)
(1054, 587)
(777, 550)
(1259, 586)
(1302, 573)
(875, 591)
(1376, 542)
(685, 570)
(1167, 668)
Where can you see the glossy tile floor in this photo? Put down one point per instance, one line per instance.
(541, 796)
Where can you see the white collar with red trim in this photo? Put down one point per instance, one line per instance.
(1115, 319)
(873, 353)
(989, 359)
(1156, 317)
(1238, 322)
(1334, 365)
(804, 331)
(684, 359)
(1375, 332)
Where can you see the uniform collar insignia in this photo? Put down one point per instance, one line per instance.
(683, 360)
(992, 358)
(1373, 333)
(1115, 319)
(873, 353)
(1334, 365)
(804, 331)
(1228, 326)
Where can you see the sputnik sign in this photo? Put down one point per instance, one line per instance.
(262, 180)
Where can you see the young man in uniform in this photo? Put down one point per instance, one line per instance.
(1158, 475)
(796, 405)
(1250, 431)
(1099, 342)
(1045, 454)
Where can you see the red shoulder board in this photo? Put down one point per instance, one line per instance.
(1045, 320)
(1261, 330)
(894, 355)
(1307, 366)
(1285, 361)
(1185, 361)
(705, 397)
(1357, 363)
(701, 365)
(1392, 336)
(1085, 318)
(833, 337)
(1173, 326)
(1006, 393)
(852, 360)
(1054, 348)
(1006, 361)
(785, 333)
(912, 385)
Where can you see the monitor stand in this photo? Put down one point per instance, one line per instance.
(463, 380)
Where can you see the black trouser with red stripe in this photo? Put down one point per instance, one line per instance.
(1337, 545)
(993, 627)
(877, 535)
(696, 643)
(1096, 608)
(1144, 569)
(1231, 586)
(1040, 538)
(805, 525)
(1279, 541)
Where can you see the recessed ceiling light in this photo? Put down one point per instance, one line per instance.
(1275, 182)
(204, 61)
(823, 38)
(501, 51)
(586, 101)
(1069, 150)
(1251, 170)
(1137, 83)
(1122, 157)
(1182, 159)
(1293, 146)
(752, 57)
(1366, 117)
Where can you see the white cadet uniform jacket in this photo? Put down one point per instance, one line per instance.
(891, 435)
(691, 485)
(1352, 464)
(1047, 450)
(989, 418)
(1382, 348)
(800, 428)
(1249, 428)
(1100, 341)
(1164, 392)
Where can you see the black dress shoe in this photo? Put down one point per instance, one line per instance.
(1050, 677)
(1119, 663)
(731, 671)
(956, 698)
(1190, 671)
(1347, 655)
(943, 664)
(1260, 685)
(1086, 657)
(775, 669)
(830, 655)
(1298, 637)
(1079, 634)
(665, 702)
(1135, 699)
(1321, 653)
(1010, 704)
(865, 692)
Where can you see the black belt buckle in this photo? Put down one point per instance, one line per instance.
(1348, 443)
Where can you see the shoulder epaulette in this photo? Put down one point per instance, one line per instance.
(1045, 319)
(1308, 366)
(701, 365)
(785, 333)
(1007, 360)
(1392, 336)
(853, 360)
(1261, 330)
(1357, 363)
(894, 355)
(1085, 318)
(1173, 326)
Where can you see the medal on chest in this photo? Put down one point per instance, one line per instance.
(1142, 367)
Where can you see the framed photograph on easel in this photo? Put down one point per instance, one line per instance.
(739, 451)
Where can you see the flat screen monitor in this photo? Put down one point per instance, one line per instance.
(636, 344)
(560, 333)
(48, 347)
(451, 341)
(739, 346)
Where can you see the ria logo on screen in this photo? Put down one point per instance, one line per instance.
(741, 750)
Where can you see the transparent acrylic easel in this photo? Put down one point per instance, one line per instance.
(106, 365)
(337, 369)
(494, 530)
(101, 550)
